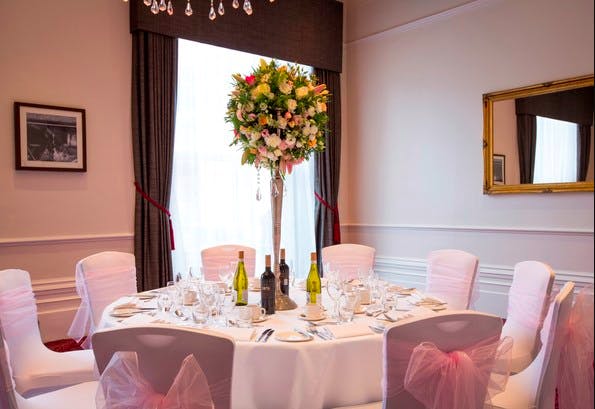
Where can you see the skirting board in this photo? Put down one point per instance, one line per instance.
(494, 281)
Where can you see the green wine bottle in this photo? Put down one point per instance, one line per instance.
(240, 281)
(313, 285)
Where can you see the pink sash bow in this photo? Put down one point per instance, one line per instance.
(122, 386)
(575, 377)
(458, 379)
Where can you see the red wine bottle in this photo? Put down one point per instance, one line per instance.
(284, 274)
(267, 287)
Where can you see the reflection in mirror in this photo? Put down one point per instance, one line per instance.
(540, 138)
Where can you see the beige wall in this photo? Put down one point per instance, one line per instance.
(68, 53)
(412, 164)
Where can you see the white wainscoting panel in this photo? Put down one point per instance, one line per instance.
(51, 263)
(401, 254)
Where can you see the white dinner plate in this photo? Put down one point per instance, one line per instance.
(292, 336)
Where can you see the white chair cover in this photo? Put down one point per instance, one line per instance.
(35, 367)
(100, 279)
(575, 378)
(161, 351)
(412, 381)
(347, 259)
(451, 277)
(122, 386)
(528, 301)
(535, 386)
(218, 257)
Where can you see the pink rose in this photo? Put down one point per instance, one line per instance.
(250, 79)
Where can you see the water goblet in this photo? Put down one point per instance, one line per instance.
(200, 313)
(334, 290)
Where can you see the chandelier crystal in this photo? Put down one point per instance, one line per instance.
(158, 6)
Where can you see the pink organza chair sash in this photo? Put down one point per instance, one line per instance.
(98, 288)
(122, 386)
(444, 380)
(18, 312)
(575, 372)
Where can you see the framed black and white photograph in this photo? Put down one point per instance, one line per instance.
(498, 163)
(49, 138)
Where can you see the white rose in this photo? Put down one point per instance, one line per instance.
(285, 87)
(278, 152)
(291, 105)
(282, 123)
(311, 111)
(313, 130)
(273, 141)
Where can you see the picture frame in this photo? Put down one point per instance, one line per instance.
(498, 165)
(49, 138)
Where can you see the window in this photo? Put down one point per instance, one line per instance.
(213, 198)
(555, 151)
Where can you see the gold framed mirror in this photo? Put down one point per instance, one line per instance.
(539, 138)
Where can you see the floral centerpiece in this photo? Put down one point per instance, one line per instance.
(278, 113)
(279, 116)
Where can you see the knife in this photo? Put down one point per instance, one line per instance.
(267, 336)
(263, 334)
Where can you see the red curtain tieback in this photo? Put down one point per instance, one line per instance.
(160, 207)
(336, 224)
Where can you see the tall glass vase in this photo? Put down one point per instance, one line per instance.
(282, 301)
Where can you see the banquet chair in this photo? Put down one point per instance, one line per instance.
(79, 396)
(349, 259)
(101, 279)
(460, 333)
(528, 301)
(535, 386)
(451, 277)
(36, 369)
(218, 257)
(161, 350)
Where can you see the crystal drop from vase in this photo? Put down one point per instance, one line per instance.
(155, 7)
(188, 10)
(162, 5)
(248, 7)
(236, 4)
(221, 9)
(274, 189)
(212, 14)
(147, 2)
(170, 8)
(258, 193)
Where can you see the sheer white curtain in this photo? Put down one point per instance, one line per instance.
(213, 198)
(555, 151)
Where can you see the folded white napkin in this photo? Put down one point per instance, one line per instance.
(139, 319)
(125, 302)
(414, 312)
(239, 334)
(349, 330)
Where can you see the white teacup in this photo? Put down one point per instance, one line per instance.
(313, 311)
(258, 313)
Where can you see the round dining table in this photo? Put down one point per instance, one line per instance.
(288, 374)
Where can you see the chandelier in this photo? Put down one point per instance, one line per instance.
(167, 6)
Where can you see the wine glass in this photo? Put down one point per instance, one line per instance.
(334, 290)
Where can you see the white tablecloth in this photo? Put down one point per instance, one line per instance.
(301, 375)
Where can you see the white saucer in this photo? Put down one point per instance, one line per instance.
(303, 317)
(292, 336)
(262, 319)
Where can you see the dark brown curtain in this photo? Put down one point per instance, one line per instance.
(584, 149)
(154, 82)
(328, 165)
(526, 140)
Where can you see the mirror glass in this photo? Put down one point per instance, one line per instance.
(540, 138)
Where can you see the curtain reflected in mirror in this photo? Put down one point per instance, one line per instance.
(545, 132)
